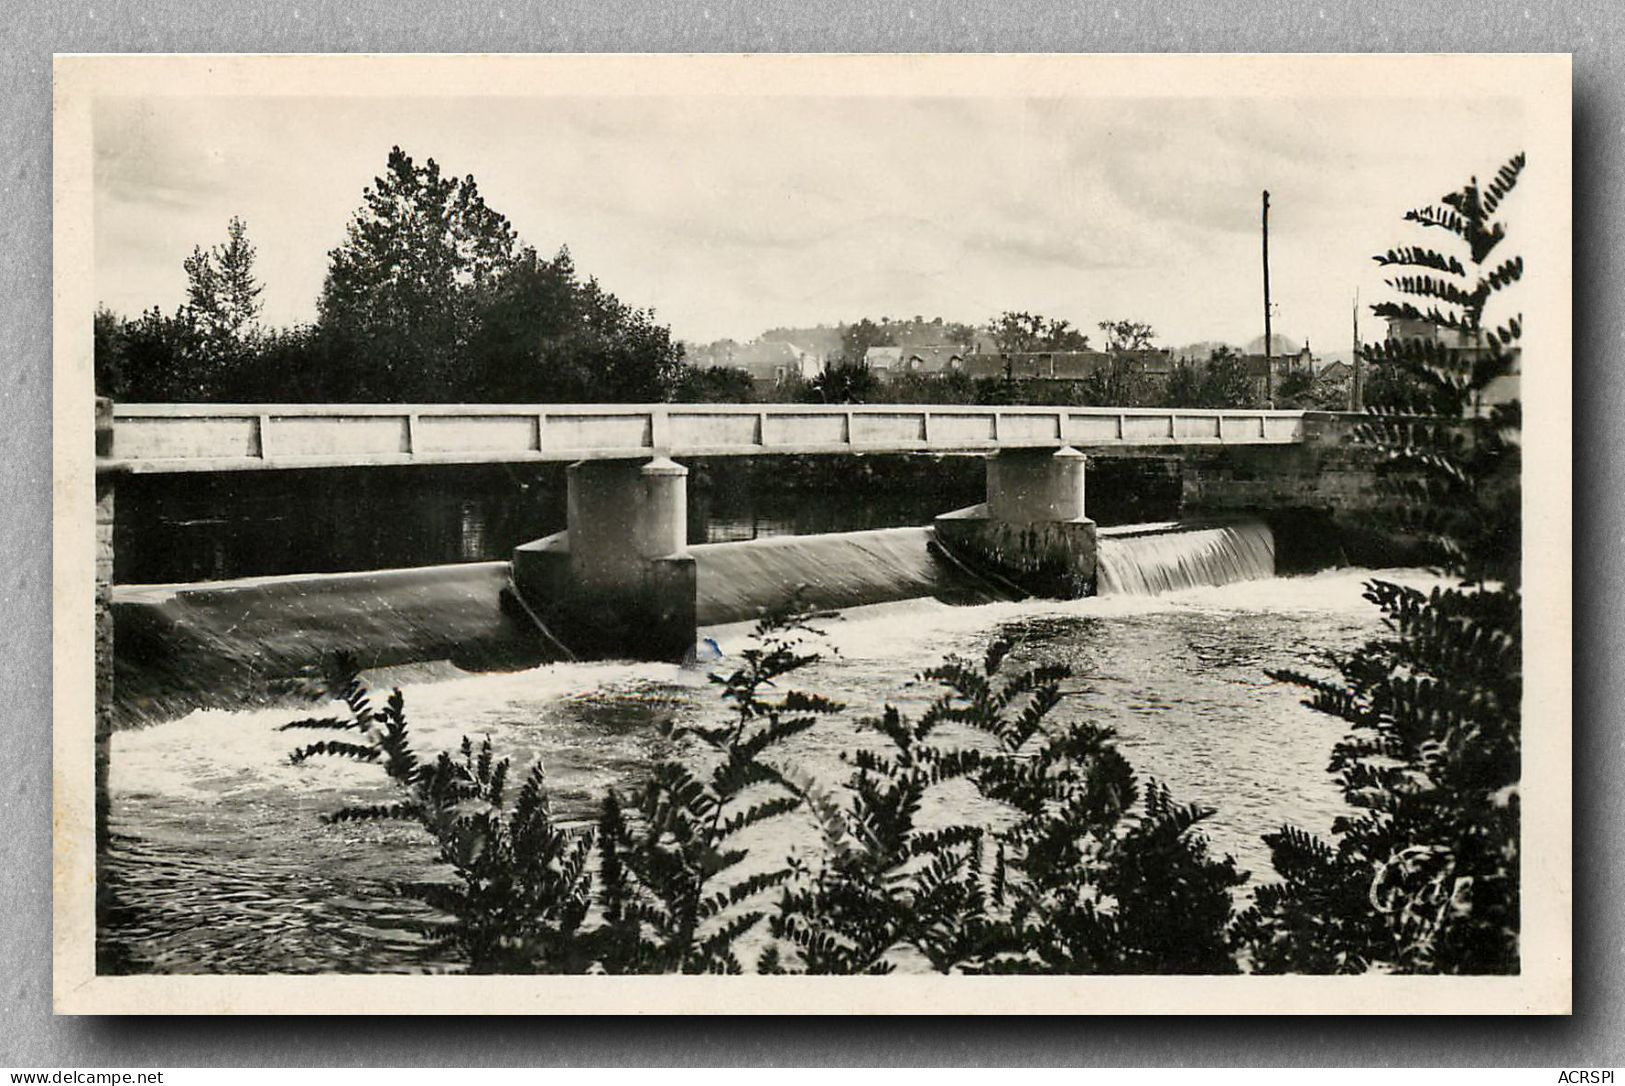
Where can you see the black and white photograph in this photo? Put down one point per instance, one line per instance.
(1056, 534)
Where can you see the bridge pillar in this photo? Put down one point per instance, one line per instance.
(619, 580)
(622, 513)
(1026, 486)
(1032, 530)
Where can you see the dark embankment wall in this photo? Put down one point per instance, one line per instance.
(1319, 497)
(221, 526)
(181, 647)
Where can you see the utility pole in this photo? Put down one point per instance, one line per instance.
(1356, 389)
(1269, 364)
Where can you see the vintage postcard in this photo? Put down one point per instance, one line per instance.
(812, 534)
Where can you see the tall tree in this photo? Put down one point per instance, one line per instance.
(419, 257)
(1122, 381)
(1224, 380)
(1018, 332)
(222, 293)
(1184, 388)
(544, 334)
(1221, 381)
(1124, 335)
(207, 349)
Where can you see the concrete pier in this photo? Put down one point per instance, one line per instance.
(622, 513)
(618, 581)
(1032, 530)
(1030, 486)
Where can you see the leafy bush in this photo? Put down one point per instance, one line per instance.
(1425, 877)
(522, 885)
(1074, 883)
(670, 903)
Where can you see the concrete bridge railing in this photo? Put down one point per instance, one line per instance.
(247, 437)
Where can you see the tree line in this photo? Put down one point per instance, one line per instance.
(430, 297)
(433, 297)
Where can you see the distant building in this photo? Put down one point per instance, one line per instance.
(1502, 389)
(934, 359)
(770, 362)
(1155, 364)
(1065, 365)
(883, 361)
(1335, 372)
(1265, 372)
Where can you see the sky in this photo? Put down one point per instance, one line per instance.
(731, 216)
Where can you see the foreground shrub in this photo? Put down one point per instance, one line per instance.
(1073, 870)
(1075, 883)
(521, 886)
(1425, 877)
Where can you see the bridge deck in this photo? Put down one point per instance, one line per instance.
(247, 437)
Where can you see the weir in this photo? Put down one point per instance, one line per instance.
(739, 581)
(1147, 560)
(227, 643)
(621, 580)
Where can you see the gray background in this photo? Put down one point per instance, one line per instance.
(30, 31)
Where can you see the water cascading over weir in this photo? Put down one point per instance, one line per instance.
(620, 580)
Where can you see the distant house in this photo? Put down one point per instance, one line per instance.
(934, 359)
(1335, 372)
(883, 361)
(1265, 372)
(770, 362)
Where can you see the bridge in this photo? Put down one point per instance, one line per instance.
(247, 437)
(620, 579)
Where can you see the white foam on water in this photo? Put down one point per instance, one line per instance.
(908, 628)
(215, 755)
(195, 748)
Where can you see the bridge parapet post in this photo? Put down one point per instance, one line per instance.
(1032, 530)
(619, 579)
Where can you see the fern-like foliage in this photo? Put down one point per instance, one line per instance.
(1450, 459)
(1424, 878)
(1075, 882)
(678, 890)
(520, 889)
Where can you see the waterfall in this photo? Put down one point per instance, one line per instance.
(1144, 560)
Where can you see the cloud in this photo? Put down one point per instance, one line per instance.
(732, 214)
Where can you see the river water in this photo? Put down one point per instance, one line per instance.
(221, 863)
